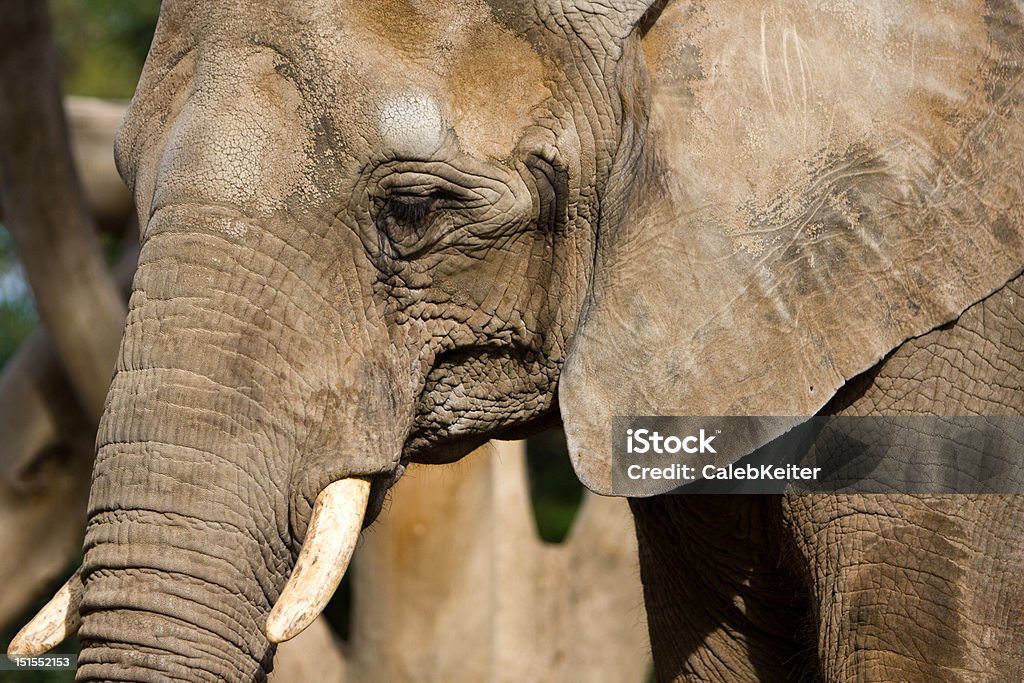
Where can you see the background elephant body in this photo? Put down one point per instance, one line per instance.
(382, 233)
(878, 587)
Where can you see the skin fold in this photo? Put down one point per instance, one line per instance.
(383, 233)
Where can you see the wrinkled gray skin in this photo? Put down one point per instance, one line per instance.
(376, 233)
(855, 588)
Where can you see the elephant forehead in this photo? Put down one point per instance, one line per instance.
(376, 65)
(410, 124)
(237, 125)
(495, 83)
(427, 68)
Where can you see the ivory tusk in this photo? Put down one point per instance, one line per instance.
(333, 531)
(55, 622)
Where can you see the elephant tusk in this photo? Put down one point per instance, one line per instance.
(331, 539)
(55, 622)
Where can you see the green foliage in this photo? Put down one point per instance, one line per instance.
(17, 313)
(555, 491)
(17, 319)
(103, 44)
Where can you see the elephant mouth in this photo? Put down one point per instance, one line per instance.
(459, 409)
(380, 485)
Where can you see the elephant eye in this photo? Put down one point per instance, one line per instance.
(409, 210)
(409, 221)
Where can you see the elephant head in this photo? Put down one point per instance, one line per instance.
(380, 233)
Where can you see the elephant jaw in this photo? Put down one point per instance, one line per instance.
(326, 552)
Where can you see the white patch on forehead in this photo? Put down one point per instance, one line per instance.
(411, 125)
(236, 229)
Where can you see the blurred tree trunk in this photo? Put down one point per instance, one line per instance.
(45, 210)
(453, 584)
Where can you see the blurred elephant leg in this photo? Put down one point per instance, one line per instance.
(718, 608)
(454, 584)
(44, 474)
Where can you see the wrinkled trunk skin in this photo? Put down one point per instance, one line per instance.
(194, 579)
(199, 499)
(188, 599)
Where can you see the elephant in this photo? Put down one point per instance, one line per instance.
(379, 233)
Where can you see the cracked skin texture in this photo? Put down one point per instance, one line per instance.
(377, 233)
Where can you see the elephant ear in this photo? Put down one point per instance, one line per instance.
(817, 185)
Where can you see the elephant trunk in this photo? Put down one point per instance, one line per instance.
(222, 426)
(177, 586)
(177, 569)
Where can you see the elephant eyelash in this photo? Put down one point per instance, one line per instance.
(403, 220)
(410, 210)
